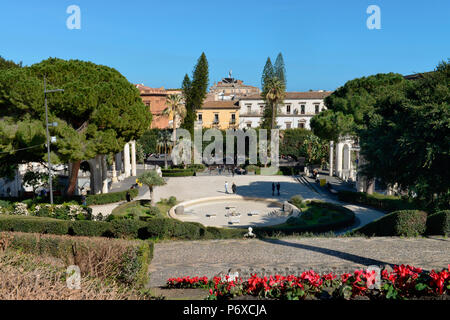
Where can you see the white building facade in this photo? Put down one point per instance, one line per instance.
(296, 111)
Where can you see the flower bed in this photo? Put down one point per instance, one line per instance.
(404, 282)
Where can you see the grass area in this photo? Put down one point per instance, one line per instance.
(143, 210)
(316, 216)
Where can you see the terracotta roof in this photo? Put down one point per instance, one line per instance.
(220, 104)
(147, 90)
(295, 95)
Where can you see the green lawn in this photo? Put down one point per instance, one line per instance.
(142, 210)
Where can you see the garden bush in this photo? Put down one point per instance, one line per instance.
(398, 223)
(177, 172)
(377, 201)
(439, 223)
(112, 197)
(120, 260)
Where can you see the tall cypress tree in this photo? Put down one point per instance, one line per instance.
(280, 69)
(195, 91)
(268, 73)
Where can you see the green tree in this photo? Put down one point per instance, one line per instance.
(35, 180)
(280, 69)
(149, 140)
(273, 93)
(195, 91)
(151, 179)
(98, 112)
(8, 64)
(164, 144)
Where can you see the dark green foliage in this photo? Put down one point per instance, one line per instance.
(8, 64)
(177, 172)
(149, 140)
(194, 91)
(162, 228)
(110, 197)
(407, 223)
(300, 225)
(377, 201)
(33, 224)
(280, 69)
(439, 223)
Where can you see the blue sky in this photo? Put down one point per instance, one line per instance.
(324, 43)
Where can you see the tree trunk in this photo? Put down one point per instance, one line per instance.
(152, 201)
(174, 133)
(165, 156)
(73, 177)
(273, 115)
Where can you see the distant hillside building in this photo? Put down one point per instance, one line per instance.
(230, 89)
(296, 110)
(218, 114)
(155, 99)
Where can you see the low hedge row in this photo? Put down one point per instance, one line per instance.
(122, 260)
(438, 223)
(112, 197)
(376, 200)
(398, 223)
(91, 199)
(177, 172)
(163, 228)
(348, 220)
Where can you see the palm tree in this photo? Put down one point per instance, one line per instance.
(175, 108)
(164, 144)
(274, 95)
(151, 179)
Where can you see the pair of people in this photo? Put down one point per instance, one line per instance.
(233, 187)
(277, 186)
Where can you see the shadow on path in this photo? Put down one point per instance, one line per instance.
(338, 254)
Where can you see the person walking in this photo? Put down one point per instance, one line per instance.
(226, 187)
(273, 188)
(128, 196)
(233, 188)
(278, 188)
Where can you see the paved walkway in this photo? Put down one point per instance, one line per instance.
(209, 258)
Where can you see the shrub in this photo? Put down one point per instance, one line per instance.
(376, 200)
(398, 223)
(112, 197)
(124, 261)
(438, 223)
(177, 172)
(33, 224)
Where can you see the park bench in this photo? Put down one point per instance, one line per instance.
(211, 215)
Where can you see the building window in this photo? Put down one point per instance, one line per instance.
(216, 118)
(249, 109)
(261, 109)
(302, 109)
(249, 124)
(288, 109)
(288, 125)
(301, 124)
(317, 108)
(200, 117)
(233, 118)
(147, 104)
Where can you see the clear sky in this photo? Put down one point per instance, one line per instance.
(324, 43)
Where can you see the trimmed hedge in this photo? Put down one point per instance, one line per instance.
(122, 260)
(398, 223)
(439, 223)
(163, 228)
(376, 200)
(177, 172)
(321, 227)
(112, 197)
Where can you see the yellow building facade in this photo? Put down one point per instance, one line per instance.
(219, 114)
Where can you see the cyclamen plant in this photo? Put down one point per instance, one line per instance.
(404, 282)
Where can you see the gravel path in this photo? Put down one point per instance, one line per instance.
(199, 258)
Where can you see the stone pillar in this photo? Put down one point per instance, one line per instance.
(339, 159)
(331, 158)
(133, 158)
(114, 172)
(126, 160)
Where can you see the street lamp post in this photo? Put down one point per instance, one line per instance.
(48, 137)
